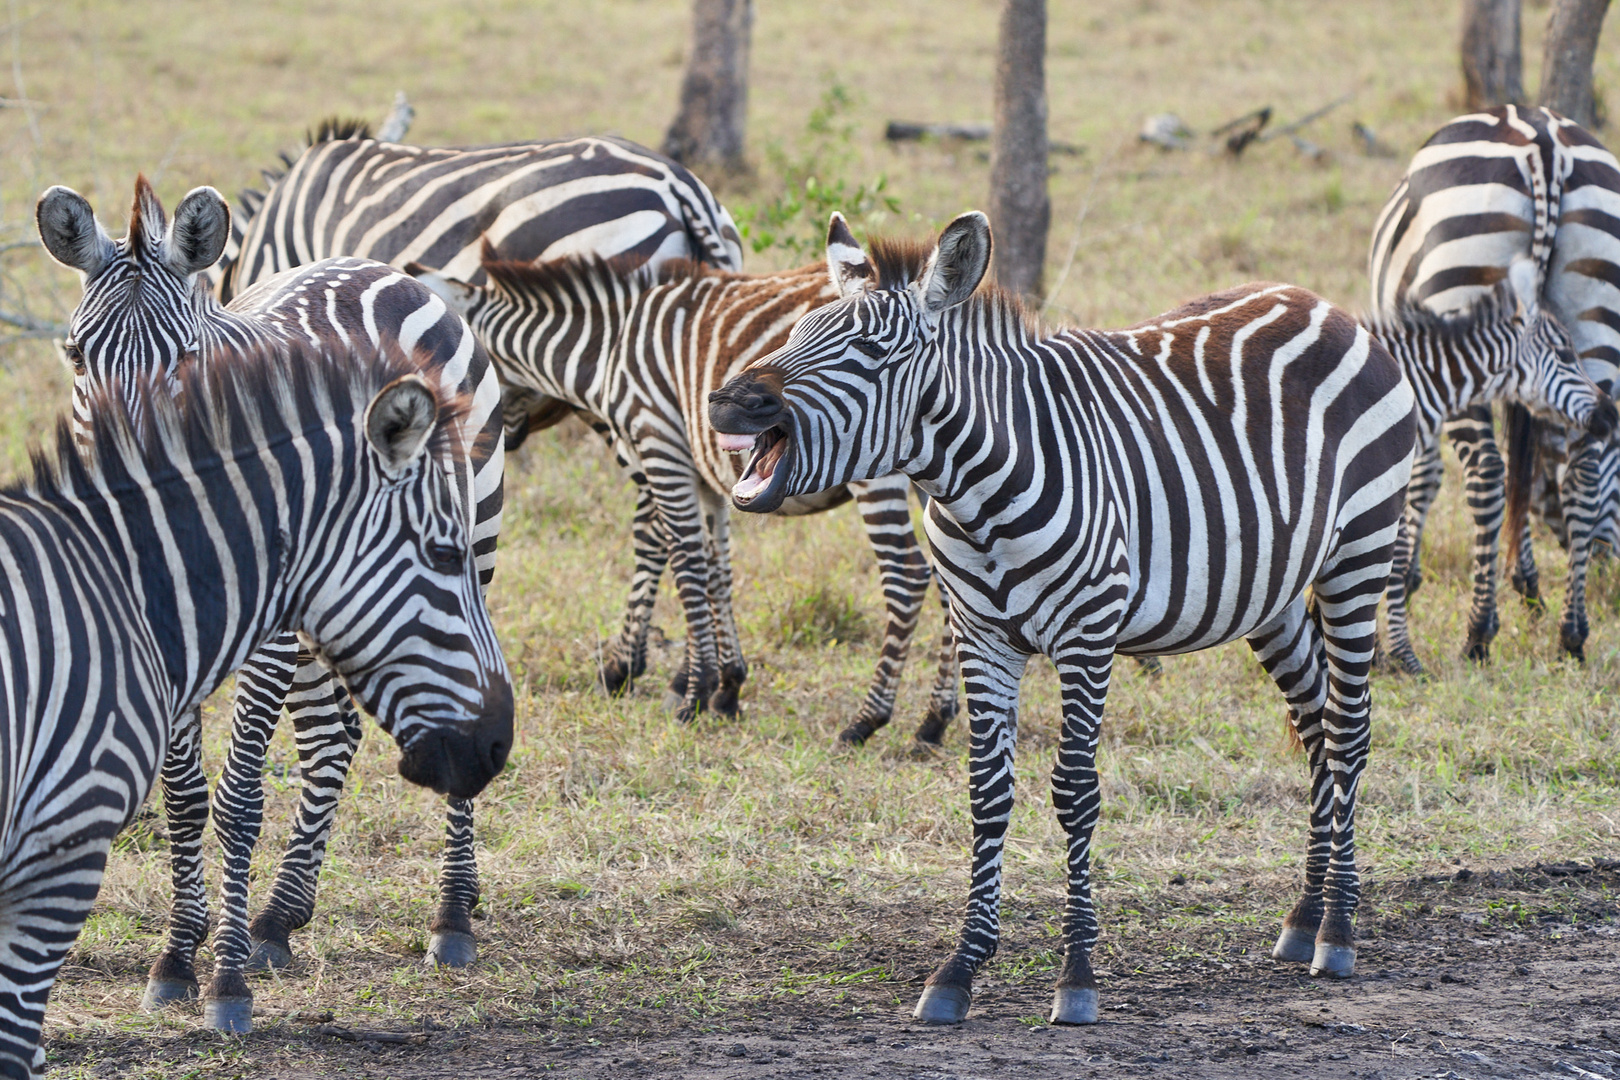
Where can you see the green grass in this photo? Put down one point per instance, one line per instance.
(628, 859)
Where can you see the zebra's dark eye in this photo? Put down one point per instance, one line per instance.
(75, 356)
(871, 348)
(446, 558)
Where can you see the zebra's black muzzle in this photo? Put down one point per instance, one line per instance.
(459, 761)
(1602, 422)
(749, 413)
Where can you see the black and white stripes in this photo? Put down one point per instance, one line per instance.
(137, 580)
(1158, 489)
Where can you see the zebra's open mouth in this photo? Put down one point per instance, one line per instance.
(764, 472)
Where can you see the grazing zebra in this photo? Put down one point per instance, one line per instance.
(143, 311)
(1502, 347)
(638, 352)
(1153, 490)
(348, 194)
(136, 577)
(1486, 189)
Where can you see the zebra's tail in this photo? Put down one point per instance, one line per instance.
(1524, 448)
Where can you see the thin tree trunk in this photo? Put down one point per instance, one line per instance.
(709, 125)
(1493, 73)
(1020, 211)
(1566, 61)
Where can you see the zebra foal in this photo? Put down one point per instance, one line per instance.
(638, 351)
(1153, 490)
(135, 581)
(1503, 347)
(145, 312)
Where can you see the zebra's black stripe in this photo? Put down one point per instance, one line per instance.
(1153, 490)
(134, 582)
(142, 313)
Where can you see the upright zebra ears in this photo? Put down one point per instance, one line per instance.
(399, 421)
(851, 271)
(957, 265)
(70, 232)
(1523, 277)
(202, 224)
(459, 295)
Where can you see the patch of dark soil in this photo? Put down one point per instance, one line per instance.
(1465, 975)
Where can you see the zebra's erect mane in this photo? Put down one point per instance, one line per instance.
(551, 275)
(330, 129)
(236, 406)
(900, 262)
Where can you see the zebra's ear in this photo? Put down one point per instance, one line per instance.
(458, 294)
(399, 421)
(196, 239)
(70, 232)
(851, 271)
(957, 265)
(1522, 276)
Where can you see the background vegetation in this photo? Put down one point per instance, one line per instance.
(629, 859)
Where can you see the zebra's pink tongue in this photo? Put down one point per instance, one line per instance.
(734, 444)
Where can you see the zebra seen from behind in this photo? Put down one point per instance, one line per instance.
(1153, 490)
(1504, 347)
(138, 576)
(1486, 189)
(638, 351)
(145, 313)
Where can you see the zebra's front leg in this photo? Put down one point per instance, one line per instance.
(1083, 671)
(1585, 504)
(261, 688)
(1483, 474)
(676, 491)
(450, 936)
(942, 701)
(327, 729)
(185, 806)
(626, 659)
(885, 512)
(991, 675)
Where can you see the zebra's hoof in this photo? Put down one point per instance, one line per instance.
(1074, 1005)
(943, 1005)
(269, 956)
(856, 734)
(451, 948)
(1151, 666)
(161, 993)
(1333, 961)
(1294, 946)
(234, 1014)
(1478, 651)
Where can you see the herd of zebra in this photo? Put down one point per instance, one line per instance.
(289, 429)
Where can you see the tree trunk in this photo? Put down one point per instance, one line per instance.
(1020, 211)
(1492, 69)
(708, 127)
(1566, 62)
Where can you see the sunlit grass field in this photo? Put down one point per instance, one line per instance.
(627, 858)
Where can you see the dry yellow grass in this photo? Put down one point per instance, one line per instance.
(626, 858)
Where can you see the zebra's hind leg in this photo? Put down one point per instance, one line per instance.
(450, 936)
(626, 657)
(886, 515)
(1290, 649)
(1400, 637)
(991, 674)
(185, 805)
(261, 688)
(675, 487)
(1084, 668)
(328, 730)
(1588, 497)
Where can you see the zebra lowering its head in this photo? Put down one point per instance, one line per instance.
(287, 488)
(638, 352)
(1504, 347)
(144, 314)
(1153, 490)
(1487, 189)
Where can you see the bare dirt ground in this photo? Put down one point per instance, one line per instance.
(1473, 975)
